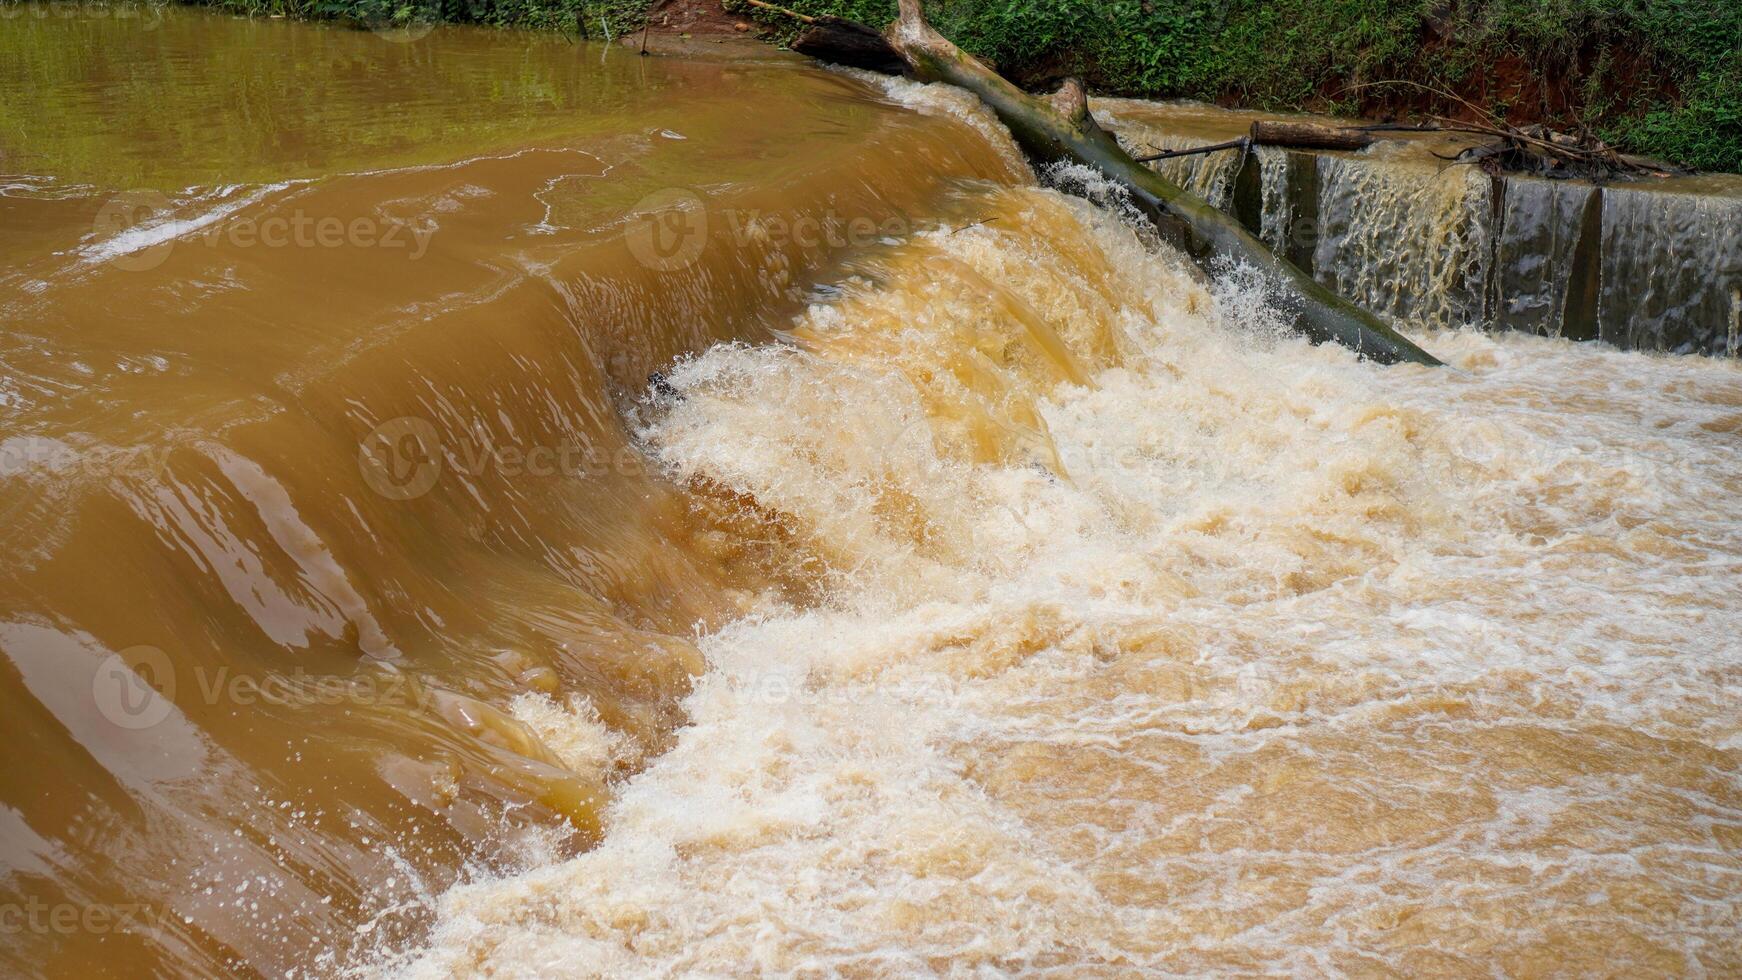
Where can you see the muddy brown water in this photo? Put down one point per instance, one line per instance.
(975, 587)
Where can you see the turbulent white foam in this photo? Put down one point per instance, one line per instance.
(1106, 193)
(1288, 662)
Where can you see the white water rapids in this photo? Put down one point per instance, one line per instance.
(1155, 642)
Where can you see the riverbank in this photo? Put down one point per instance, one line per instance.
(1656, 77)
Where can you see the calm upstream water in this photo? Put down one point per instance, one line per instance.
(484, 504)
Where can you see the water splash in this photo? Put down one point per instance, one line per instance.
(1411, 242)
(1208, 175)
(1237, 657)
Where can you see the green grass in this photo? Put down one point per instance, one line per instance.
(1659, 77)
(588, 18)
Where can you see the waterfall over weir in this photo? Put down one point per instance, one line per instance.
(1150, 640)
(1650, 265)
(724, 517)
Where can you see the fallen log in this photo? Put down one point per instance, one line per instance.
(1241, 144)
(842, 41)
(1061, 130)
(1308, 136)
(848, 42)
(1295, 135)
(1530, 149)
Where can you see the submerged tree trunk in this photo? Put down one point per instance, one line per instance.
(1060, 129)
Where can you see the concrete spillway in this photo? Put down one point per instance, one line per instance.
(1654, 265)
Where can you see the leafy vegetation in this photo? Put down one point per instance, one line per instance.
(586, 18)
(1659, 77)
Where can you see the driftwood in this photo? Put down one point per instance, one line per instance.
(1541, 151)
(1298, 135)
(1528, 149)
(1242, 144)
(1060, 129)
(848, 42)
(842, 41)
(1309, 136)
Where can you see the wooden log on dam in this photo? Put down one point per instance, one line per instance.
(1308, 136)
(1264, 132)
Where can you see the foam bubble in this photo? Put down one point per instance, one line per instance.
(1189, 648)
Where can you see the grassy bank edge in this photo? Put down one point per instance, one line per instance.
(1657, 77)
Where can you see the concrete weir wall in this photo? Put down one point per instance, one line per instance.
(1654, 265)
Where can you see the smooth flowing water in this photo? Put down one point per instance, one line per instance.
(975, 588)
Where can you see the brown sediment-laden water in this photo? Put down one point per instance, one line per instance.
(484, 504)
